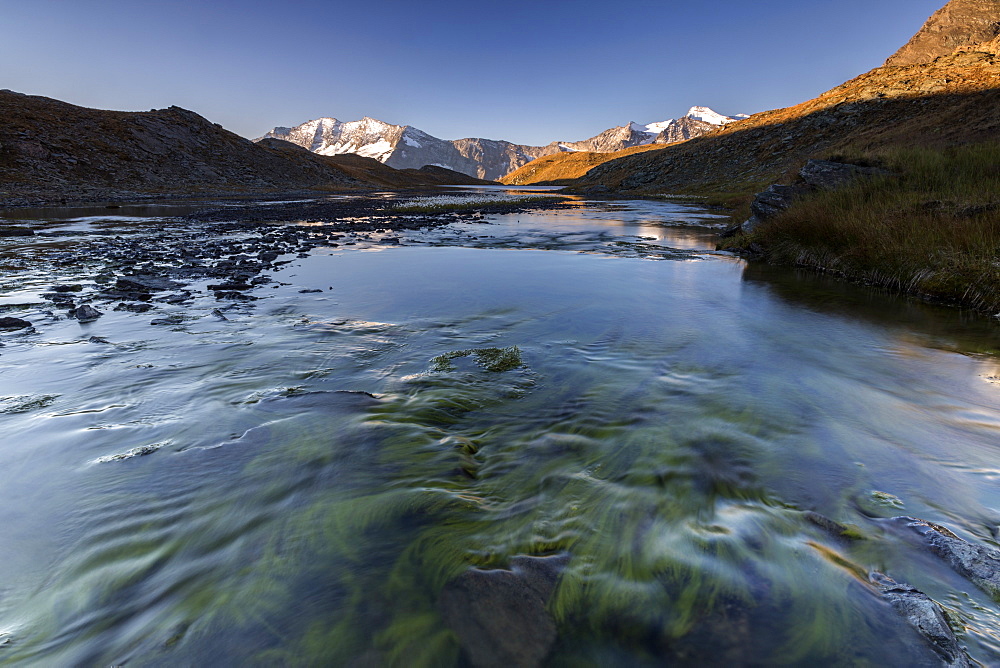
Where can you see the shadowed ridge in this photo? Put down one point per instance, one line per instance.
(372, 172)
(52, 151)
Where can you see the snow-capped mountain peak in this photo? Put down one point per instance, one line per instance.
(679, 129)
(402, 146)
(706, 115)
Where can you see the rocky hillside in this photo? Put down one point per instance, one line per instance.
(613, 139)
(960, 23)
(403, 146)
(683, 129)
(953, 99)
(52, 150)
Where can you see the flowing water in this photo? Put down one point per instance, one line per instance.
(320, 472)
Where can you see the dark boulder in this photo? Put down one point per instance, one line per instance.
(816, 175)
(268, 256)
(86, 313)
(774, 200)
(13, 323)
(828, 175)
(768, 204)
(924, 615)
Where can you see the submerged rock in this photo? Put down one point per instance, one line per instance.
(924, 615)
(168, 320)
(60, 299)
(500, 616)
(978, 563)
(140, 451)
(233, 295)
(13, 323)
(834, 528)
(492, 359)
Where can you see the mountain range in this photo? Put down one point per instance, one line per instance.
(53, 151)
(940, 89)
(403, 146)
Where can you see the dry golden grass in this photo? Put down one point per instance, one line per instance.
(932, 228)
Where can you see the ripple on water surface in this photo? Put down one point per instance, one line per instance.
(308, 482)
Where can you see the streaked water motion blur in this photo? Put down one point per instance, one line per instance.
(309, 481)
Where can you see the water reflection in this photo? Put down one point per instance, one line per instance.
(321, 492)
(918, 321)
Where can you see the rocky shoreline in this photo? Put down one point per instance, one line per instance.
(233, 245)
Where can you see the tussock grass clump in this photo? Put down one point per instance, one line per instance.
(931, 228)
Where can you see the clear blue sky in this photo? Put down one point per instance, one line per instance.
(526, 71)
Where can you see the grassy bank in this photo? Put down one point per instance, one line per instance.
(931, 228)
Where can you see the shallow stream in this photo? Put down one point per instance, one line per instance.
(310, 481)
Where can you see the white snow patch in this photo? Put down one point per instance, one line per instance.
(379, 150)
(707, 115)
(651, 128)
(411, 142)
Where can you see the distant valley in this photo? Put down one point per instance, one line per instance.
(406, 147)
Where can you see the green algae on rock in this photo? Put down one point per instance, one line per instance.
(491, 359)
